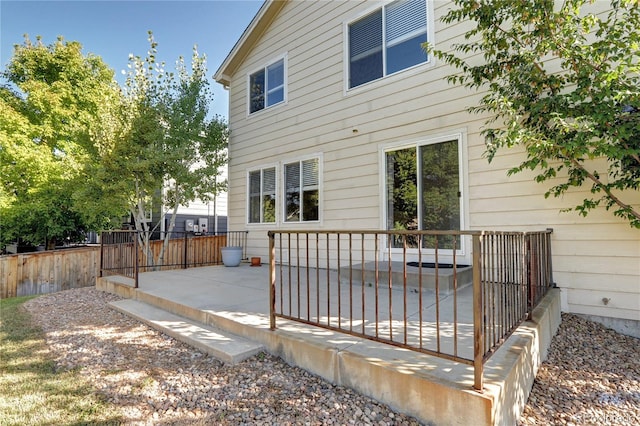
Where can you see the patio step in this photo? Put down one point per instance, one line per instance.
(222, 345)
(446, 280)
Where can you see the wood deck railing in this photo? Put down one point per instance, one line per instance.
(121, 252)
(421, 297)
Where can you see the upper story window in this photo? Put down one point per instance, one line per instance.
(387, 40)
(267, 86)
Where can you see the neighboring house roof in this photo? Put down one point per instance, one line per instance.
(251, 34)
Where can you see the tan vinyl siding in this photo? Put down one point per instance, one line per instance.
(594, 258)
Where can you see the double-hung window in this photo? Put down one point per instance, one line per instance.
(299, 182)
(387, 40)
(302, 191)
(262, 195)
(267, 86)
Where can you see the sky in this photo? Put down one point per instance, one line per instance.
(115, 29)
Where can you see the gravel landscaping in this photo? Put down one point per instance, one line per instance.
(592, 375)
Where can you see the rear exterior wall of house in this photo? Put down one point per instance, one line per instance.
(596, 260)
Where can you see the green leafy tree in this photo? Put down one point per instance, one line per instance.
(194, 145)
(50, 102)
(562, 80)
(403, 184)
(166, 149)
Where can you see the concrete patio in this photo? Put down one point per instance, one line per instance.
(434, 390)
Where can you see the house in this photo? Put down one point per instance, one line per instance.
(328, 120)
(205, 217)
(196, 217)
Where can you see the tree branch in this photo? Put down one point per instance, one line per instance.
(604, 188)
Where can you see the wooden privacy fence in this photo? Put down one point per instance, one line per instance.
(28, 274)
(122, 254)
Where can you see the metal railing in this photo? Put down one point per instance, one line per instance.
(412, 289)
(122, 252)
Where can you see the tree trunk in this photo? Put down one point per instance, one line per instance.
(167, 234)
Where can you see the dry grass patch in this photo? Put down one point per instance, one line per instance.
(32, 390)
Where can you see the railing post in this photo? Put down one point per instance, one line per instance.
(549, 259)
(529, 271)
(135, 268)
(272, 280)
(478, 328)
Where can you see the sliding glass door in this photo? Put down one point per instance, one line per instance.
(423, 191)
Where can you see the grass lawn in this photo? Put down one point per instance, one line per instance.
(32, 392)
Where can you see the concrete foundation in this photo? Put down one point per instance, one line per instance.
(628, 327)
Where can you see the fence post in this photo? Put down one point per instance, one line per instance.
(272, 282)
(478, 328)
(136, 238)
(184, 258)
(101, 253)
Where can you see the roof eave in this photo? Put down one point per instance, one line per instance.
(247, 40)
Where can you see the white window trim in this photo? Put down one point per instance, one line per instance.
(248, 171)
(282, 188)
(463, 253)
(263, 67)
(407, 72)
(280, 193)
